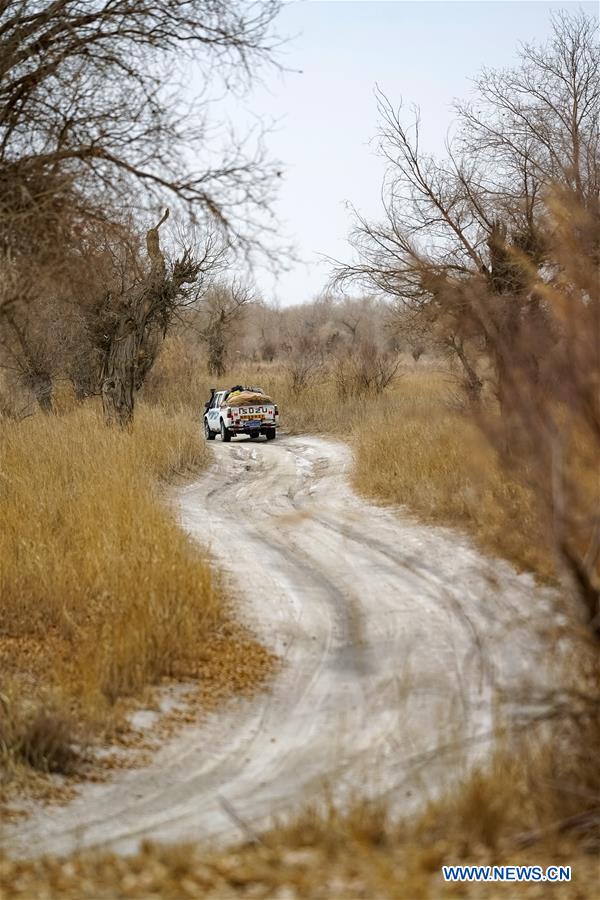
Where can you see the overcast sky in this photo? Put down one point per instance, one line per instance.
(422, 52)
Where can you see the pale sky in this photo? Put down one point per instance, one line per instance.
(421, 52)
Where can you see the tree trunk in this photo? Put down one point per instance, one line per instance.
(508, 354)
(473, 383)
(41, 386)
(216, 351)
(118, 381)
(133, 342)
(84, 379)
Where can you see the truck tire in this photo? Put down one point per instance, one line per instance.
(225, 433)
(254, 435)
(271, 435)
(208, 434)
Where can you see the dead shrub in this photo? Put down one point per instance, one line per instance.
(47, 742)
(367, 370)
(38, 734)
(304, 361)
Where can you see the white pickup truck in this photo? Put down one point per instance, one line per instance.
(246, 417)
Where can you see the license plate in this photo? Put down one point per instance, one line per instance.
(255, 423)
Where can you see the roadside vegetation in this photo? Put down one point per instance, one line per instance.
(108, 233)
(506, 814)
(467, 383)
(415, 444)
(463, 369)
(101, 593)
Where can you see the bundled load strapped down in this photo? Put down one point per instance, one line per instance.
(246, 397)
(240, 410)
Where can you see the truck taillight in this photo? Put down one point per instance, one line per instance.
(229, 414)
(276, 410)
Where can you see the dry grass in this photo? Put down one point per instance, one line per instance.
(503, 816)
(524, 809)
(432, 458)
(101, 593)
(40, 737)
(528, 807)
(414, 445)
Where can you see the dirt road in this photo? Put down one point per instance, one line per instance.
(391, 635)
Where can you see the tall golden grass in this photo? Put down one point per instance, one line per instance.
(418, 445)
(101, 592)
(414, 444)
(432, 458)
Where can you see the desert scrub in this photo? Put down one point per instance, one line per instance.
(415, 444)
(438, 464)
(101, 593)
(37, 735)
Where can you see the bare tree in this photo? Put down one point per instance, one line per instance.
(303, 360)
(496, 248)
(538, 124)
(27, 355)
(132, 323)
(549, 435)
(93, 133)
(309, 336)
(224, 306)
(87, 123)
(367, 370)
(475, 215)
(37, 320)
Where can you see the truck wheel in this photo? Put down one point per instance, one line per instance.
(271, 435)
(254, 435)
(208, 434)
(225, 433)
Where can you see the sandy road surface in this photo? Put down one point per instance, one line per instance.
(391, 635)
